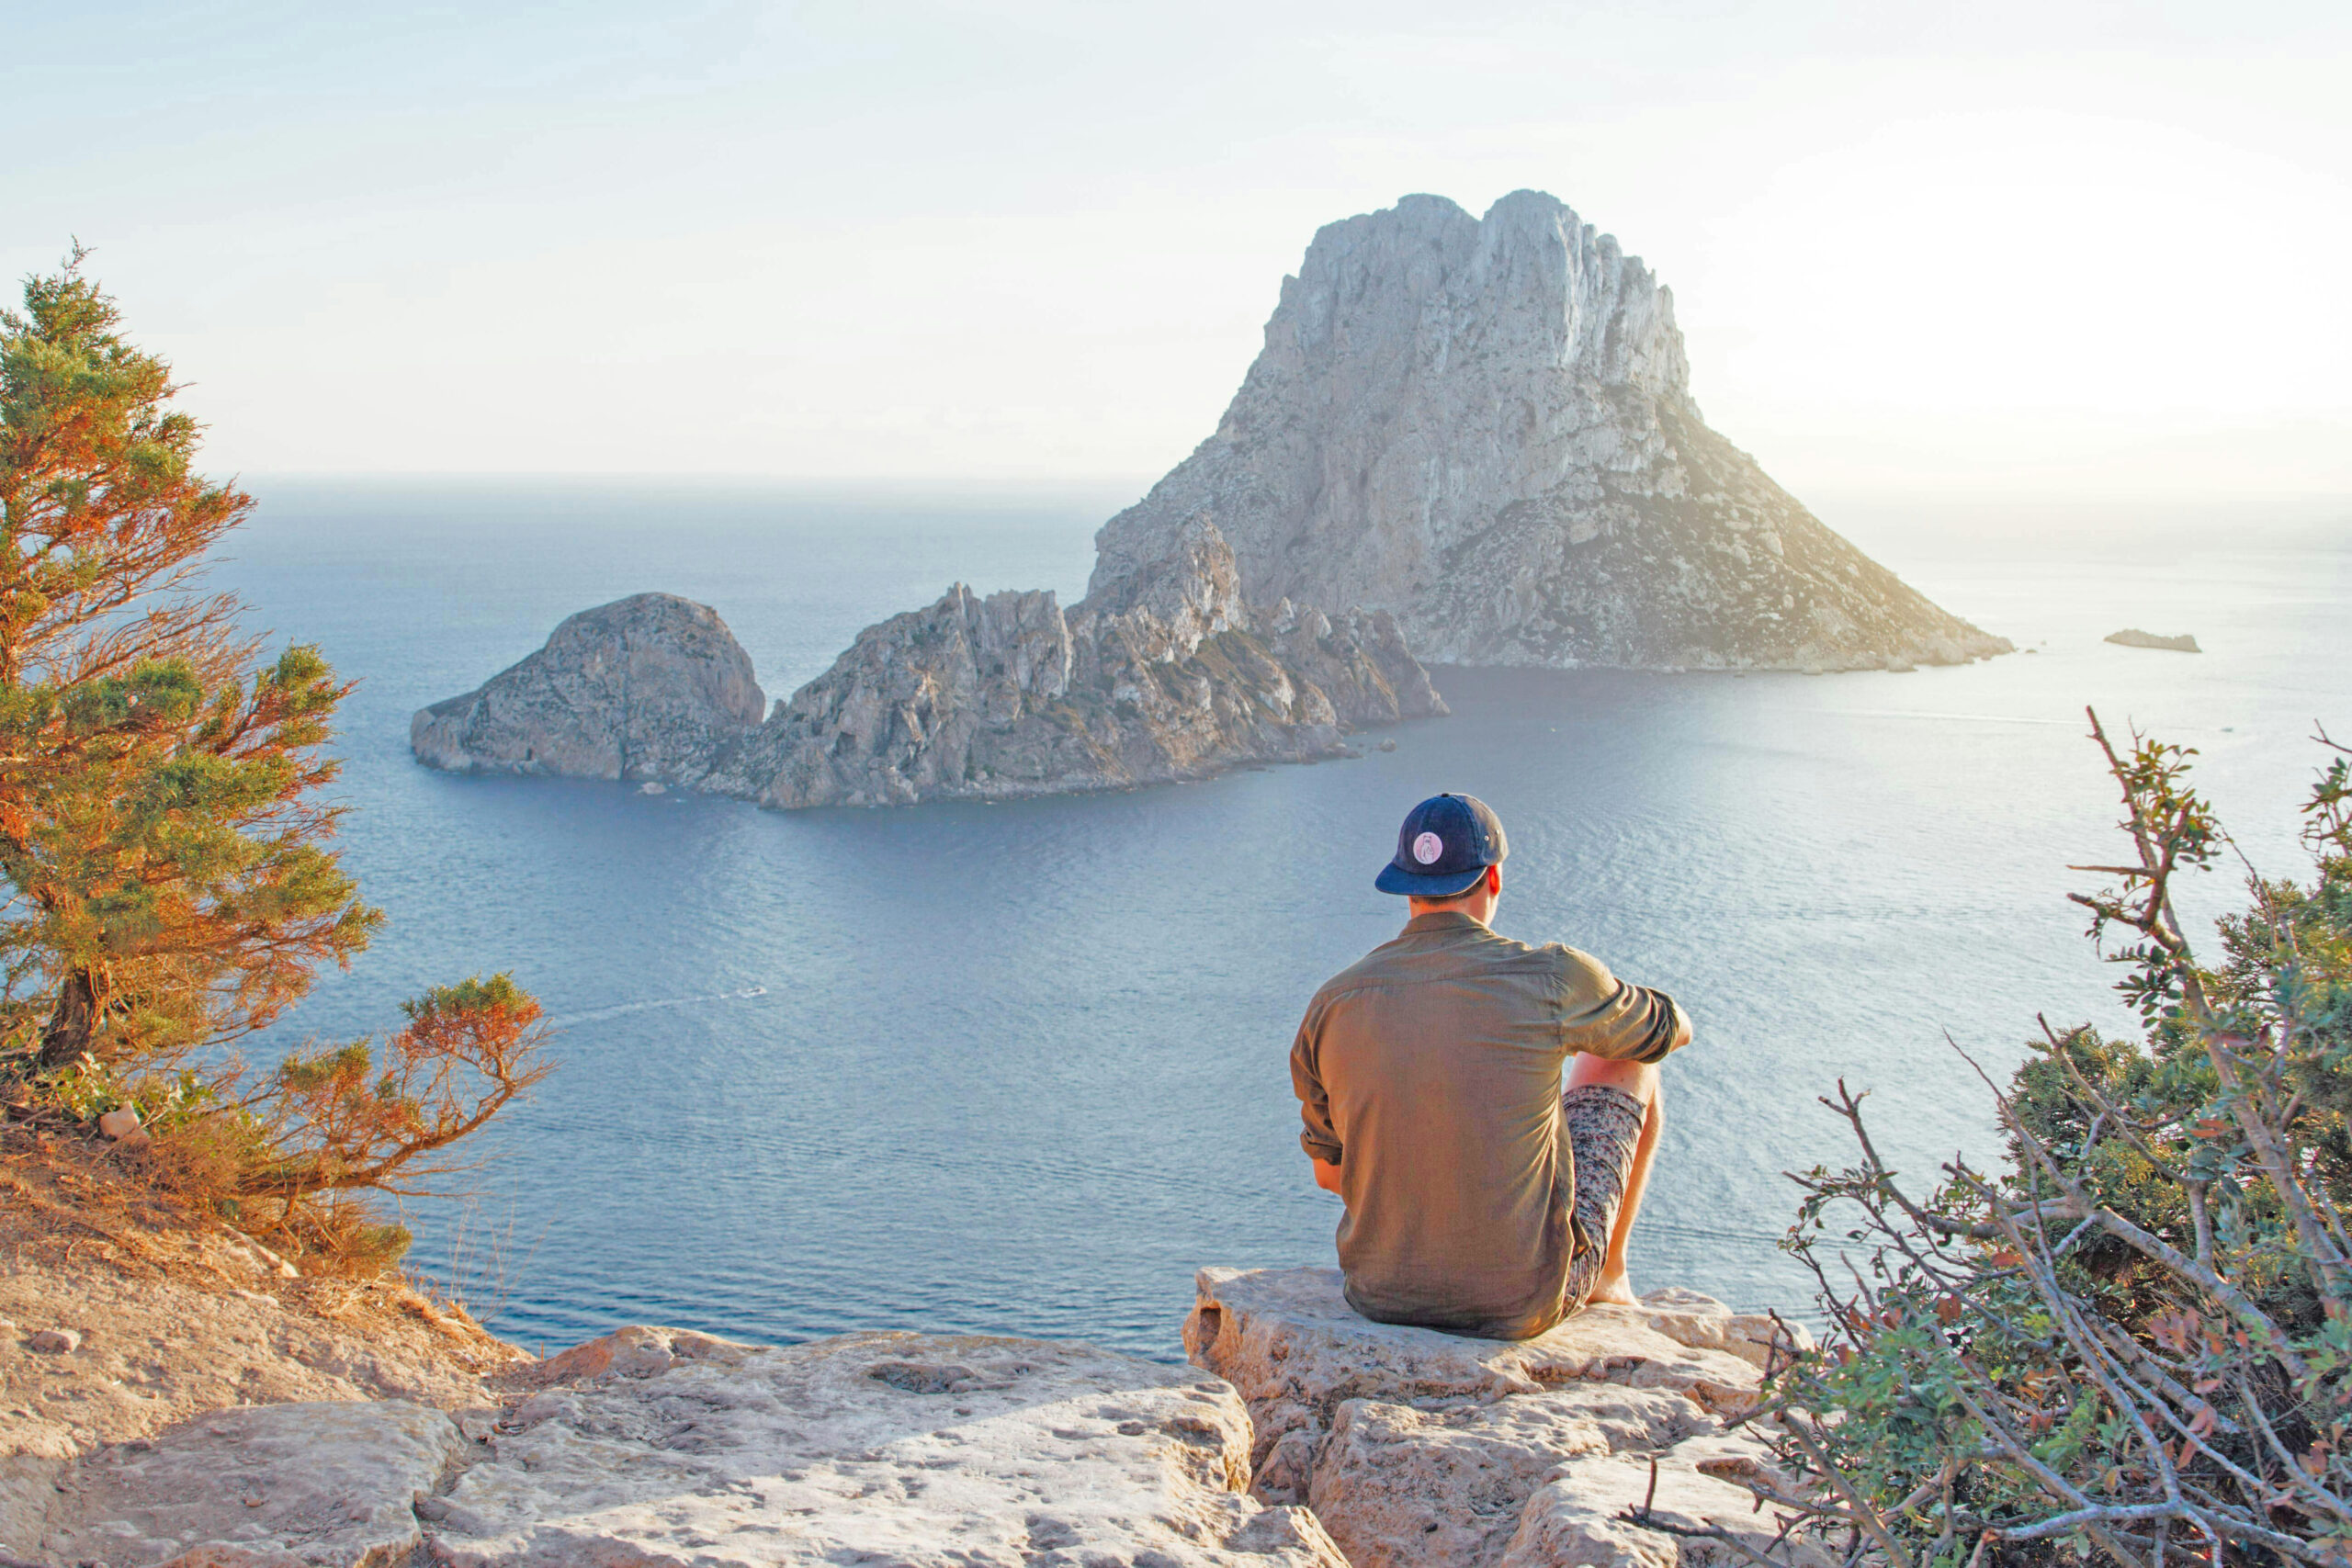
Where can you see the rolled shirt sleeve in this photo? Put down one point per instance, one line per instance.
(1317, 1137)
(1606, 1017)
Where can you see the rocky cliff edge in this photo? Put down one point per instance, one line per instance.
(1302, 1436)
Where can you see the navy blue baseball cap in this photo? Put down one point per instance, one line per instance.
(1445, 847)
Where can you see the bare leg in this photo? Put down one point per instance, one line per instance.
(1642, 1083)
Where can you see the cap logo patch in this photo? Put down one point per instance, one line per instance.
(1427, 848)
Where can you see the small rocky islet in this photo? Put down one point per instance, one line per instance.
(1469, 441)
(2132, 636)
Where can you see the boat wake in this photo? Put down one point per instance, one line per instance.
(596, 1015)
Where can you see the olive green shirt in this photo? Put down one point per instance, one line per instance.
(1430, 1073)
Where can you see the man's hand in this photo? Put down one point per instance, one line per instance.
(1326, 1177)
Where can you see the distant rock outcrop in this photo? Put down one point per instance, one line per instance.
(1487, 428)
(1173, 677)
(651, 687)
(2132, 637)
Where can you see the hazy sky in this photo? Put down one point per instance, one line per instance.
(1915, 249)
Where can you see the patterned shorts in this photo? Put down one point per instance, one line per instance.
(1604, 1129)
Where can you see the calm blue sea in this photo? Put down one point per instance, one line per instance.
(1022, 1068)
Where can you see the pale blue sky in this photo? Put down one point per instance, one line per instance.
(1917, 251)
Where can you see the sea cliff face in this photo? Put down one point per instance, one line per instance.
(1486, 427)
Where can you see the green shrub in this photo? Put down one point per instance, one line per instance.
(2135, 1342)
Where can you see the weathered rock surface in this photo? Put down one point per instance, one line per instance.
(2132, 636)
(1579, 1516)
(873, 1448)
(1486, 427)
(1173, 677)
(1415, 1447)
(661, 1446)
(648, 687)
(198, 1322)
(1687, 1317)
(654, 1446)
(1447, 1481)
(1289, 1341)
(333, 1485)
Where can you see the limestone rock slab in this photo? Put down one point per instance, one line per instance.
(1485, 427)
(1405, 1486)
(1287, 1339)
(326, 1485)
(1704, 1323)
(908, 1450)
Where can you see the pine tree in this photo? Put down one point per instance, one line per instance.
(160, 829)
(169, 889)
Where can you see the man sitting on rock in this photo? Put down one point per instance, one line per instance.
(1481, 1198)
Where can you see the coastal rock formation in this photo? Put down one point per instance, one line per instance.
(1414, 1446)
(652, 687)
(1486, 427)
(2132, 636)
(880, 1448)
(1173, 677)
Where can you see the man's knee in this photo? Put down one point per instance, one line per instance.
(1639, 1079)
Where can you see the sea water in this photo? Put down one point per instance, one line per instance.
(1022, 1068)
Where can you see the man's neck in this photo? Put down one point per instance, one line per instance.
(1479, 909)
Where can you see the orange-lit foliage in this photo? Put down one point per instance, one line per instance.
(338, 1120)
(160, 830)
(168, 887)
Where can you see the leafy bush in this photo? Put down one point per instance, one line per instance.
(2134, 1343)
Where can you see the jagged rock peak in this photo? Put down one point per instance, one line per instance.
(1008, 695)
(650, 687)
(1485, 426)
(1194, 589)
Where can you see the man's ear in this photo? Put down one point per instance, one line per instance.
(1495, 880)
